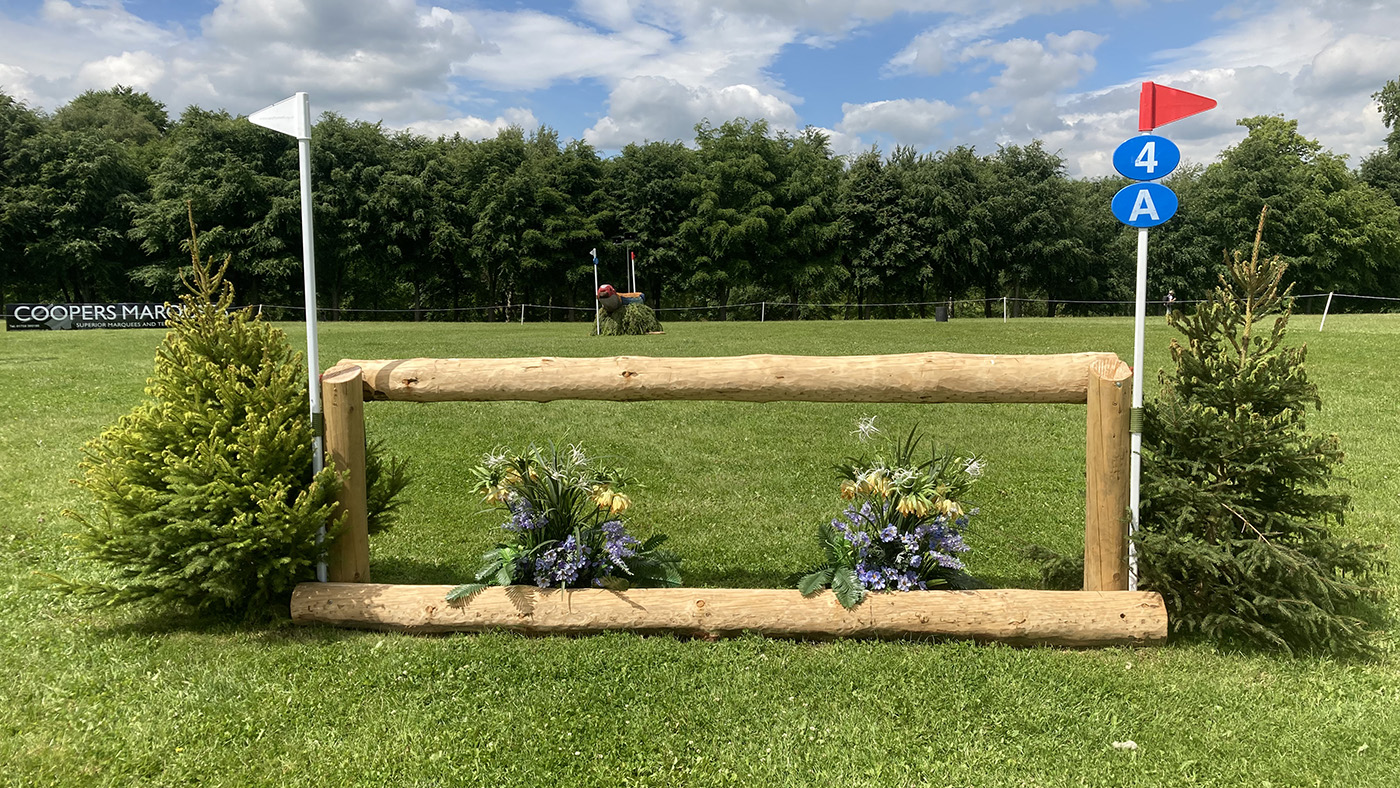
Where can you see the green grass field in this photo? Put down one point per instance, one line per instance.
(128, 697)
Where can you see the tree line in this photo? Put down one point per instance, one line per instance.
(95, 201)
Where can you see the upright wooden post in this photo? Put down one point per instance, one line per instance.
(1107, 472)
(342, 390)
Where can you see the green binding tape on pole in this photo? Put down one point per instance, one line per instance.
(1135, 421)
(318, 425)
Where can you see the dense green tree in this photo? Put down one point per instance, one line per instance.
(402, 207)
(1381, 169)
(18, 164)
(1033, 243)
(875, 237)
(1333, 231)
(805, 232)
(68, 209)
(121, 114)
(652, 191)
(241, 182)
(733, 217)
(745, 214)
(949, 196)
(349, 160)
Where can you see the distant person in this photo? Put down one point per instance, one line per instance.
(1169, 302)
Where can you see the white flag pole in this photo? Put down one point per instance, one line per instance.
(292, 116)
(597, 305)
(1139, 340)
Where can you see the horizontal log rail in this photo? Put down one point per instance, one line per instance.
(901, 378)
(1020, 617)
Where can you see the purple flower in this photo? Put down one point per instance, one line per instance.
(618, 546)
(523, 517)
(563, 564)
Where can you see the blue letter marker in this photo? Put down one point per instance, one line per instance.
(1144, 204)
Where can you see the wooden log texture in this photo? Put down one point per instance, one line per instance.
(1107, 471)
(344, 410)
(1060, 618)
(909, 377)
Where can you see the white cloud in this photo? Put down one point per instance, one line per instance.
(917, 122)
(656, 108)
(1032, 69)
(140, 70)
(474, 128)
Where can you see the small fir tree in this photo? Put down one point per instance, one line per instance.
(207, 496)
(1237, 509)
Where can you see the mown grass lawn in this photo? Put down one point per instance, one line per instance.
(128, 697)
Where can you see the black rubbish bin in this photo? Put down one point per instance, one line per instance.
(940, 314)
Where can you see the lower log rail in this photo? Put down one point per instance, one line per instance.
(1015, 616)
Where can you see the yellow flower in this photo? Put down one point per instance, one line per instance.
(912, 505)
(604, 498)
(950, 509)
(877, 482)
(620, 503)
(849, 489)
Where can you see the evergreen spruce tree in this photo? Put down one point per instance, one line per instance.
(1237, 503)
(207, 496)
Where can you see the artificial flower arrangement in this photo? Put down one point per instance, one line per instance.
(564, 526)
(902, 529)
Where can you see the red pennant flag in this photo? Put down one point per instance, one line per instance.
(1159, 105)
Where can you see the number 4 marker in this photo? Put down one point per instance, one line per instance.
(1147, 159)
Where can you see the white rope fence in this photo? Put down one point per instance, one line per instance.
(761, 309)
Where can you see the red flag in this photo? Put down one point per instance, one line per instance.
(1159, 105)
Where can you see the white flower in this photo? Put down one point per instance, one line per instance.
(865, 428)
(973, 468)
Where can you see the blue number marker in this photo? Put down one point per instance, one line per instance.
(1146, 158)
(1144, 204)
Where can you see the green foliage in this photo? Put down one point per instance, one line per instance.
(1237, 514)
(564, 525)
(207, 496)
(629, 320)
(748, 214)
(386, 479)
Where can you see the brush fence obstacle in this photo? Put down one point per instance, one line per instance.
(1103, 613)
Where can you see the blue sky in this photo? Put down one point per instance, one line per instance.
(933, 74)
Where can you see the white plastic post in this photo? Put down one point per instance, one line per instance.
(597, 305)
(292, 116)
(1003, 309)
(1139, 339)
(763, 311)
(522, 314)
(1325, 310)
